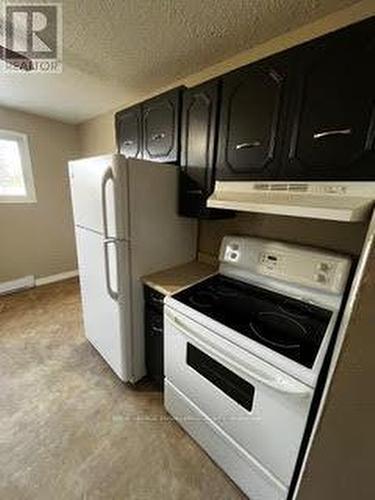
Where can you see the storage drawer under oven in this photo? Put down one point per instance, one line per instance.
(257, 405)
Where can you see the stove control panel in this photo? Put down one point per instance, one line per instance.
(325, 272)
(294, 264)
(271, 260)
(232, 253)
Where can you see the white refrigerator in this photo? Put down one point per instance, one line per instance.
(126, 225)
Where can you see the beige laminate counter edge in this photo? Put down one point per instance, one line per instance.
(174, 279)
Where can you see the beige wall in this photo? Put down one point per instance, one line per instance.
(340, 237)
(38, 238)
(97, 134)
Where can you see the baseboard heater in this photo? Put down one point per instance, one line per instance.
(17, 285)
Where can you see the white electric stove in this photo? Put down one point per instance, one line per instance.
(243, 351)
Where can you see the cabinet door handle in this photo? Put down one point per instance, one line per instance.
(128, 142)
(157, 329)
(195, 191)
(158, 137)
(158, 301)
(248, 145)
(328, 133)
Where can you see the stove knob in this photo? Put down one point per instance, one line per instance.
(324, 266)
(321, 278)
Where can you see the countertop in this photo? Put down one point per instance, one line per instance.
(176, 278)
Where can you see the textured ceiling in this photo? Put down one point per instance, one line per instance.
(118, 50)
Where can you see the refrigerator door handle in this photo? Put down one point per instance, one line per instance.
(107, 176)
(112, 293)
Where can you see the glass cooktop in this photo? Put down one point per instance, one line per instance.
(290, 327)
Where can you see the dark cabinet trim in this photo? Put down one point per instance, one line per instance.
(252, 114)
(307, 113)
(330, 135)
(161, 118)
(157, 131)
(129, 140)
(209, 94)
(199, 130)
(154, 334)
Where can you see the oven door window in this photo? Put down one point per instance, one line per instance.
(231, 384)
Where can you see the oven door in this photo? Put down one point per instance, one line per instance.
(261, 408)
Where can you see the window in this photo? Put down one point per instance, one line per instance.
(16, 177)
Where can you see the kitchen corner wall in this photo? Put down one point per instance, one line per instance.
(341, 237)
(38, 238)
(97, 136)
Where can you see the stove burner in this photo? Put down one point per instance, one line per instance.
(202, 299)
(292, 328)
(295, 309)
(269, 326)
(223, 290)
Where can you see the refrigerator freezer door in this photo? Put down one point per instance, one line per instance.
(99, 194)
(106, 298)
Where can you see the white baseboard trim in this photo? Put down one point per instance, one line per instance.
(56, 277)
(17, 285)
(29, 282)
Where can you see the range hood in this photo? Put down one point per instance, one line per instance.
(339, 201)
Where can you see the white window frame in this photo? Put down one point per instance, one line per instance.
(23, 145)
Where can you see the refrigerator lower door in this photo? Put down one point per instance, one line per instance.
(104, 280)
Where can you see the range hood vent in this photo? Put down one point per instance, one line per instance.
(293, 187)
(341, 201)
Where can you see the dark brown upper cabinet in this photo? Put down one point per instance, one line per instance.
(332, 115)
(161, 127)
(198, 144)
(307, 113)
(251, 120)
(151, 129)
(129, 132)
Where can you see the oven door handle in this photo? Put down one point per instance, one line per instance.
(279, 383)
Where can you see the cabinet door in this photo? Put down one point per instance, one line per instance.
(154, 345)
(199, 120)
(154, 334)
(161, 120)
(129, 132)
(250, 120)
(331, 135)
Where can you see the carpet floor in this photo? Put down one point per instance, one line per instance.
(69, 429)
